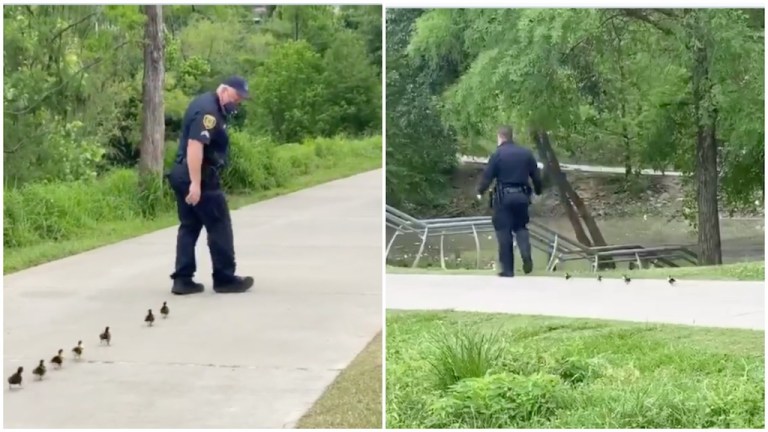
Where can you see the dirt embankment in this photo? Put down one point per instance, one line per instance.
(606, 195)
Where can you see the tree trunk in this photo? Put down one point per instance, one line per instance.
(553, 169)
(153, 126)
(706, 153)
(589, 221)
(295, 25)
(623, 102)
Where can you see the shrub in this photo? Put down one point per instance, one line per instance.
(253, 165)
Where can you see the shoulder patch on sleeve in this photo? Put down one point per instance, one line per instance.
(209, 121)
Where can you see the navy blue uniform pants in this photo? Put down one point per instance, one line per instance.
(211, 212)
(510, 217)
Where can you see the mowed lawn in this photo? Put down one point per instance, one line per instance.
(353, 401)
(472, 370)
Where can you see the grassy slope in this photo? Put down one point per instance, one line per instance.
(20, 258)
(353, 401)
(739, 271)
(570, 373)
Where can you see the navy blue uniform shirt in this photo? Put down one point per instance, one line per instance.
(204, 121)
(511, 165)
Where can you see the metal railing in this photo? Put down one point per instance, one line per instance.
(557, 247)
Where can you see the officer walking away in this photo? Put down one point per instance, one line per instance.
(195, 180)
(511, 165)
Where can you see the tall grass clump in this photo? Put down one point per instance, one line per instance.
(463, 354)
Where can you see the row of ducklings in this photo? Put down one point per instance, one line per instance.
(58, 359)
(626, 278)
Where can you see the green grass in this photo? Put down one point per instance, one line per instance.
(470, 370)
(747, 271)
(353, 401)
(101, 234)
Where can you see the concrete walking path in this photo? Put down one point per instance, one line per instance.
(254, 360)
(692, 302)
(580, 167)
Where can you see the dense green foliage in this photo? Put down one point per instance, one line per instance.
(41, 212)
(421, 149)
(612, 87)
(452, 370)
(73, 92)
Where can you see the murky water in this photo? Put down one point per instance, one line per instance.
(742, 240)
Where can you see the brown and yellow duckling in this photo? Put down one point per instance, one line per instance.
(164, 310)
(149, 319)
(39, 370)
(15, 379)
(106, 336)
(78, 350)
(58, 359)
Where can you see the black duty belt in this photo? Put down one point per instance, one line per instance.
(514, 189)
(205, 164)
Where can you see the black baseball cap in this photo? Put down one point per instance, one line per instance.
(239, 84)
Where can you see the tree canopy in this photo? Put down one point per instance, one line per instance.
(73, 78)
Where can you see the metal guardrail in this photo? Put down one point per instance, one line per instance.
(558, 247)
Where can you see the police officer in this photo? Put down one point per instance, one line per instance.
(200, 200)
(511, 166)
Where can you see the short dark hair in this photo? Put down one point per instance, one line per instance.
(505, 132)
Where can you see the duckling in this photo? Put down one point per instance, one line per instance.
(15, 379)
(39, 370)
(106, 336)
(567, 275)
(150, 318)
(58, 359)
(626, 279)
(599, 278)
(164, 310)
(671, 280)
(78, 350)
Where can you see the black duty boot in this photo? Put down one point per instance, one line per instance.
(236, 285)
(184, 286)
(527, 265)
(506, 274)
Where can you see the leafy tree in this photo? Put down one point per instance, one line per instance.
(353, 87)
(421, 150)
(367, 23)
(291, 92)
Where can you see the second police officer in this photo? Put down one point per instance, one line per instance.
(511, 165)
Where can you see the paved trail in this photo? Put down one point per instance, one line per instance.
(585, 168)
(702, 303)
(256, 360)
